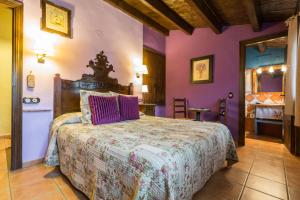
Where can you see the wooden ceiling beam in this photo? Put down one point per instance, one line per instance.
(138, 15)
(254, 13)
(207, 12)
(160, 7)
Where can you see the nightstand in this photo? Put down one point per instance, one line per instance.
(147, 108)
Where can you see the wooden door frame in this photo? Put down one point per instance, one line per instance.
(17, 90)
(243, 44)
(154, 51)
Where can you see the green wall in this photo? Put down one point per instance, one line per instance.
(5, 69)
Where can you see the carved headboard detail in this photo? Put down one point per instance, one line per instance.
(67, 92)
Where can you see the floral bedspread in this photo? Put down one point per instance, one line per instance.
(150, 158)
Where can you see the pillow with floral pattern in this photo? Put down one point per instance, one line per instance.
(85, 106)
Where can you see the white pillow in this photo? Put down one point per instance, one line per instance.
(84, 104)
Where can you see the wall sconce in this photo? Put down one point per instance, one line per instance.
(271, 69)
(41, 55)
(145, 89)
(259, 71)
(140, 70)
(43, 47)
(283, 68)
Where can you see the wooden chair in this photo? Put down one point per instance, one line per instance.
(223, 110)
(179, 107)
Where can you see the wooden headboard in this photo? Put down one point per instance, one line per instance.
(67, 92)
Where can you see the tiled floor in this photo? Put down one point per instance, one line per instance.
(266, 171)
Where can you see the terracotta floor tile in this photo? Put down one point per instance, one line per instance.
(250, 194)
(269, 161)
(293, 171)
(230, 175)
(268, 171)
(5, 193)
(71, 193)
(226, 190)
(36, 190)
(270, 158)
(50, 196)
(292, 162)
(62, 181)
(243, 166)
(246, 157)
(294, 193)
(36, 168)
(29, 176)
(266, 186)
(293, 179)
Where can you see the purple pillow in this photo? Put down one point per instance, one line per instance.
(129, 107)
(104, 109)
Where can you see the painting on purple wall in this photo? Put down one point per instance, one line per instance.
(202, 69)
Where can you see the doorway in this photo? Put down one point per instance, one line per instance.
(15, 96)
(155, 81)
(250, 101)
(6, 20)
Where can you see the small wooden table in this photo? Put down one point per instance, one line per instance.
(147, 108)
(198, 112)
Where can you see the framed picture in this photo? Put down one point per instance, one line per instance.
(56, 19)
(202, 69)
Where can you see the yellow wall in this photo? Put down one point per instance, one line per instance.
(5, 69)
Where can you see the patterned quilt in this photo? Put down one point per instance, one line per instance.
(149, 158)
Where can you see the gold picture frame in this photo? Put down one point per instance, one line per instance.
(202, 69)
(56, 19)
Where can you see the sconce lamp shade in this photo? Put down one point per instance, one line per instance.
(259, 71)
(271, 69)
(41, 54)
(141, 69)
(145, 89)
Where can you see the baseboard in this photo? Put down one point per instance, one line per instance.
(33, 162)
(5, 136)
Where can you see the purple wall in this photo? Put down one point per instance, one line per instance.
(156, 41)
(180, 48)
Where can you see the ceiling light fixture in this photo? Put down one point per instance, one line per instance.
(259, 71)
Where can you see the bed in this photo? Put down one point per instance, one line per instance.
(149, 158)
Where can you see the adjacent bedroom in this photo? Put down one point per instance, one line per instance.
(149, 100)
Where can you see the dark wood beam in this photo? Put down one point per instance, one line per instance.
(160, 7)
(138, 15)
(254, 13)
(208, 14)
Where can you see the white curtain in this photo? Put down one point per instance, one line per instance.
(292, 90)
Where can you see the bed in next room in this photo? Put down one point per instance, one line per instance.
(146, 158)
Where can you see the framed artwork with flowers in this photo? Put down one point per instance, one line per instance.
(56, 19)
(202, 69)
